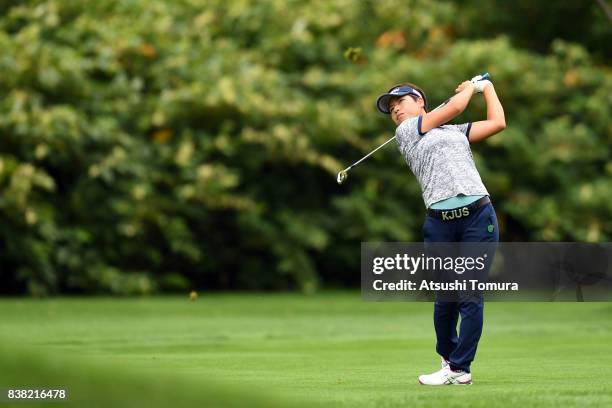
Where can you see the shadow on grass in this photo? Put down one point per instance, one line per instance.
(105, 385)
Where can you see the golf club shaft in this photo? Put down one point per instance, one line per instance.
(369, 154)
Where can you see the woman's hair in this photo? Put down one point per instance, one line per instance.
(418, 89)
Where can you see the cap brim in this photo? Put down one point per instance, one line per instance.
(382, 103)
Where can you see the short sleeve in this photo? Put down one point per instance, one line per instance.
(464, 128)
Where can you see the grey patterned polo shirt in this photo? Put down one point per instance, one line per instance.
(440, 159)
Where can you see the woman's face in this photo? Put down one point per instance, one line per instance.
(405, 107)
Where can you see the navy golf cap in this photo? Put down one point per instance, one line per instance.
(382, 103)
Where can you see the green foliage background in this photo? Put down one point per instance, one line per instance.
(166, 145)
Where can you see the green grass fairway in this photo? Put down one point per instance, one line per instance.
(329, 349)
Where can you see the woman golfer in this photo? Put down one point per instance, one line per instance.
(458, 205)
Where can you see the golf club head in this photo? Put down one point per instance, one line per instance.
(342, 175)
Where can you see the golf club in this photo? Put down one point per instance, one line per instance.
(343, 174)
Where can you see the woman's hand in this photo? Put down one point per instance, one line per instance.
(464, 85)
(479, 86)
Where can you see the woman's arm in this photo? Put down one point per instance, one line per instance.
(452, 109)
(496, 121)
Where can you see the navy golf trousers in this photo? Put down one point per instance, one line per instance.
(460, 350)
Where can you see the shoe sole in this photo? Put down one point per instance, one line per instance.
(457, 383)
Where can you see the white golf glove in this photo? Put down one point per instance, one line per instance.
(479, 86)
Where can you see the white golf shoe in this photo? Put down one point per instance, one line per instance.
(446, 376)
